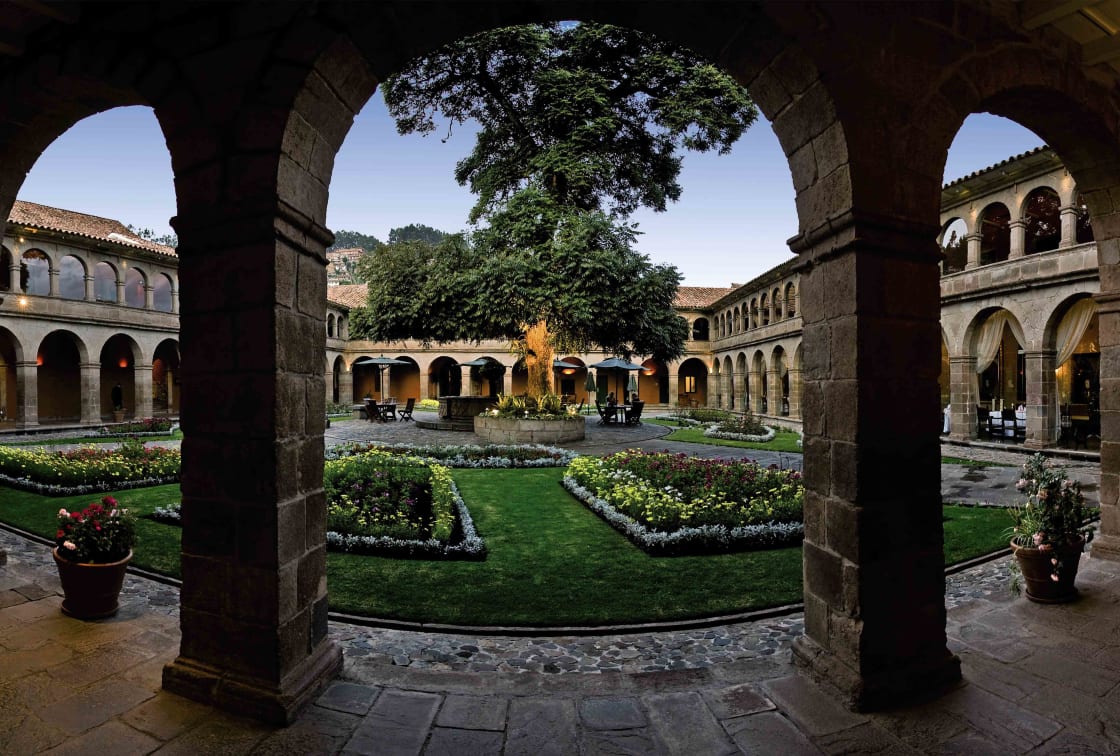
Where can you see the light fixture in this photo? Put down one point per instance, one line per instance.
(23, 301)
(568, 371)
(123, 363)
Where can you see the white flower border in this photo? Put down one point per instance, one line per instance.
(56, 489)
(471, 547)
(712, 431)
(710, 539)
(456, 454)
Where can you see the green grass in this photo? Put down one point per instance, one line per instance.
(551, 560)
(157, 545)
(784, 440)
(176, 436)
(977, 463)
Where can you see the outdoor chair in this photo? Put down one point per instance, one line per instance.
(579, 409)
(373, 414)
(983, 430)
(633, 416)
(406, 413)
(606, 416)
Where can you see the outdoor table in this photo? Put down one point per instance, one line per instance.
(387, 412)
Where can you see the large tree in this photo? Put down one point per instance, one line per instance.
(579, 125)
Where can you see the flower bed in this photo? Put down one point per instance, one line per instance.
(153, 426)
(88, 469)
(673, 504)
(468, 455)
(714, 431)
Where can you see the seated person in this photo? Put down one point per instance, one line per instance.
(611, 411)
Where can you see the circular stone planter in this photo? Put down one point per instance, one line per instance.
(512, 430)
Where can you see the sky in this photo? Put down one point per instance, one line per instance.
(732, 222)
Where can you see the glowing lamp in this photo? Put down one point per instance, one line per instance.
(123, 363)
(38, 359)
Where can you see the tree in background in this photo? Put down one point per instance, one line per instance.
(352, 239)
(416, 232)
(580, 125)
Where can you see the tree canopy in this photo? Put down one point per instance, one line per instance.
(416, 232)
(580, 125)
(354, 239)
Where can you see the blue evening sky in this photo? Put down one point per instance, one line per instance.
(732, 222)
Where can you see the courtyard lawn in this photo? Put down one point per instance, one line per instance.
(784, 440)
(46, 442)
(551, 561)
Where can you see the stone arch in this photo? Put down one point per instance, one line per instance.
(743, 370)
(791, 299)
(135, 287)
(162, 293)
(72, 274)
(571, 383)
(35, 272)
(754, 313)
(59, 357)
(954, 244)
(764, 310)
(1078, 376)
(780, 389)
(738, 325)
(444, 378)
(5, 268)
(759, 371)
(105, 277)
(1042, 213)
(700, 329)
(776, 298)
(692, 383)
(404, 380)
(997, 386)
(653, 382)
(995, 233)
(120, 354)
(166, 378)
(1083, 222)
(336, 368)
(330, 325)
(11, 354)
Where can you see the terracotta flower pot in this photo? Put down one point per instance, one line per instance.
(1038, 571)
(91, 590)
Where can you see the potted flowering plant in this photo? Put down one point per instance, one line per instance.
(93, 549)
(1050, 531)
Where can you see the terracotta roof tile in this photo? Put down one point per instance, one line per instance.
(80, 224)
(699, 297)
(348, 295)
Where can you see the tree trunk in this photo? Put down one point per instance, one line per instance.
(538, 359)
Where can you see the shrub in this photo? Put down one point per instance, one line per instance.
(99, 534)
(153, 425)
(544, 407)
(468, 455)
(743, 425)
(88, 468)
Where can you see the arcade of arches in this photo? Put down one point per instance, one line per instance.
(256, 101)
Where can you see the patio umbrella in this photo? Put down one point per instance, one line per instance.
(632, 388)
(381, 362)
(616, 364)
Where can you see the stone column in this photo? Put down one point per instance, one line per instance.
(1069, 227)
(774, 391)
(755, 379)
(27, 394)
(874, 582)
(253, 603)
(795, 393)
(465, 382)
(1042, 388)
(725, 390)
(120, 292)
(507, 381)
(1018, 238)
(91, 295)
(1107, 543)
(142, 386)
(91, 393)
(962, 404)
(346, 387)
(13, 274)
(175, 300)
(53, 275)
(149, 297)
(674, 388)
(973, 251)
(741, 391)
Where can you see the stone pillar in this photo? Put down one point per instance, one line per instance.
(120, 292)
(741, 391)
(755, 379)
(465, 382)
(674, 388)
(91, 295)
(175, 300)
(149, 297)
(13, 274)
(142, 385)
(507, 381)
(1107, 543)
(874, 582)
(253, 603)
(1018, 238)
(962, 404)
(774, 391)
(795, 393)
(973, 251)
(91, 393)
(27, 394)
(346, 387)
(53, 275)
(725, 389)
(1069, 227)
(1042, 388)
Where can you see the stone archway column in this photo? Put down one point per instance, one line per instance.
(507, 381)
(91, 393)
(91, 295)
(742, 391)
(1018, 238)
(345, 386)
(962, 404)
(1069, 227)
(795, 393)
(13, 275)
(120, 292)
(973, 260)
(774, 392)
(1042, 387)
(27, 394)
(465, 382)
(175, 301)
(755, 380)
(874, 582)
(149, 297)
(674, 386)
(53, 284)
(142, 388)
(253, 604)
(1107, 543)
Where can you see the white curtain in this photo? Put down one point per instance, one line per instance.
(1070, 330)
(988, 340)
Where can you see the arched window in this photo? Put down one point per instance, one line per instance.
(37, 267)
(134, 288)
(1084, 233)
(5, 269)
(954, 246)
(777, 297)
(791, 300)
(105, 282)
(330, 325)
(738, 321)
(754, 313)
(995, 234)
(764, 310)
(700, 329)
(71, 278)
(1042, 211)
(161, 293)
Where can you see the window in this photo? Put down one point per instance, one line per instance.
(689, 384)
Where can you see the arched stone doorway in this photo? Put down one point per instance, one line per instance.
(165, 378)
(118, 363)
(653, 382)
(692, 383)
(59, 380)
(444, 378)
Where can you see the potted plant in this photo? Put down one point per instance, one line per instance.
(93, 549)
(1050, 531)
